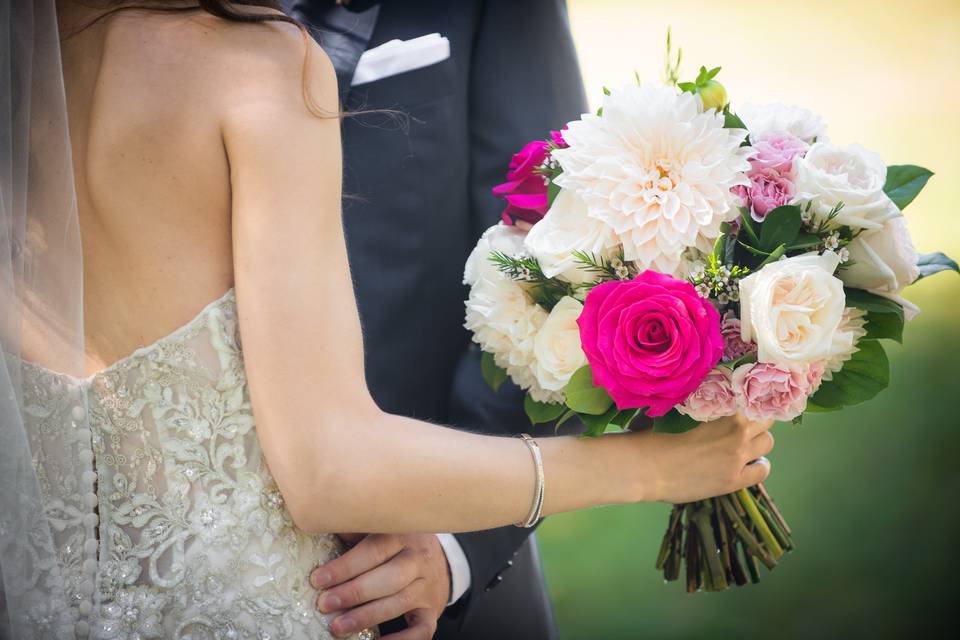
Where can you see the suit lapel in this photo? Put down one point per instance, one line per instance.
(342, 32)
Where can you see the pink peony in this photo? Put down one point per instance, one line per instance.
(734, 345)
(766, 391)
(650, 341)
(713, 398)
(525, 190)
(767, 191)
(775, 151)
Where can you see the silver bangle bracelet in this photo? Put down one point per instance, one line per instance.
(537, 507)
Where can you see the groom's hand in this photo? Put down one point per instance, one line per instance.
(383, 577)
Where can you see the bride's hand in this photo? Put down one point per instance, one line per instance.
(713, 459)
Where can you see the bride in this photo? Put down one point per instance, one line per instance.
(183, 482)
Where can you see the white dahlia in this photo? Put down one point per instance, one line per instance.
(852, 328)
(777, 118)
(656, 169)
(504, 319)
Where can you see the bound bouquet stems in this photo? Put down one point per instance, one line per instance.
(720, 542)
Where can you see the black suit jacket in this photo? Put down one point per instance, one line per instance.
(418, 197)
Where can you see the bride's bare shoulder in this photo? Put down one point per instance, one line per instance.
(231, 63)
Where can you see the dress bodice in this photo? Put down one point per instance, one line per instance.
(176, 528)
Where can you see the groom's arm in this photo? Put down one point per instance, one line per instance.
(524, 81)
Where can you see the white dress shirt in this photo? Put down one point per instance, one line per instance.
(459, 567)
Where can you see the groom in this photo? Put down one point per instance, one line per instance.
(418, 199)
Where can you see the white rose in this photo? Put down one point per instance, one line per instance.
(557, 346)
(829, 174)
(566, 228)
(883, 262)
(792, 309)
(500, 313)
(852, 328)
(776, 117)
(502, 238)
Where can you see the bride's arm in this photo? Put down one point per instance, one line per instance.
(340, 462)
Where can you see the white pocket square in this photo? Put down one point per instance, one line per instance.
(399, 56)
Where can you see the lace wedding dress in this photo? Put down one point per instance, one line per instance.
(180, 532)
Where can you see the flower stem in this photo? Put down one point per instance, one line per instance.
(746, 499)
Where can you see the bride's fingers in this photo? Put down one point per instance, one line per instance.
(755, 472)
(760, 445)
(381, 581)
(373, 613)
(370, 552)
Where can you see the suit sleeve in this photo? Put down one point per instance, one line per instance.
(524, 82)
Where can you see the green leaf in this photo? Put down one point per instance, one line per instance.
(780, 227)
(585, 397)
(674, 422)
(566, 416)
(871, 302)
(805, 241)
(863, 376)
(904, 182)
(732, 120)
(687, 87)
(540, 412)
(553, 190)
(596, 425)
(884, 326)
(713, 73)
(624, 418)
(775, 255)
(931, 263)
(746, 223)
(492, 373)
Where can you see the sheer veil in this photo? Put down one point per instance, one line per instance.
(47, 559)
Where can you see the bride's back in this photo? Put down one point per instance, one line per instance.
(146, 93)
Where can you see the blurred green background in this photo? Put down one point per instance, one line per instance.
(872, 493)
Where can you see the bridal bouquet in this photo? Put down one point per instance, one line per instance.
(668, 261)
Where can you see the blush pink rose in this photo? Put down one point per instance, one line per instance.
(525, 189)
(766, 391)
(767, 191)
(650, 341)
(775, 151)
(713, 398)
(734, 345)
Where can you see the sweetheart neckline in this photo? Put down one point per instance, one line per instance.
(139, 351)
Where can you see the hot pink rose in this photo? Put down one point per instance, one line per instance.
(713, 398)
(525, 190)
(766, 391)
(650, 341)
(733, 344)
(557, 138)
(767, 191)
(775, 151)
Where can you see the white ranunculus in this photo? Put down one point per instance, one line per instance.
(500, 313)
(776, 117)
(829, 174)
(566, 228)
(852, 328)
(792, 310)
(557, 346)
(883, 262)
(656, 169)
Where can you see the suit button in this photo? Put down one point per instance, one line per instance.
(497, 579)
